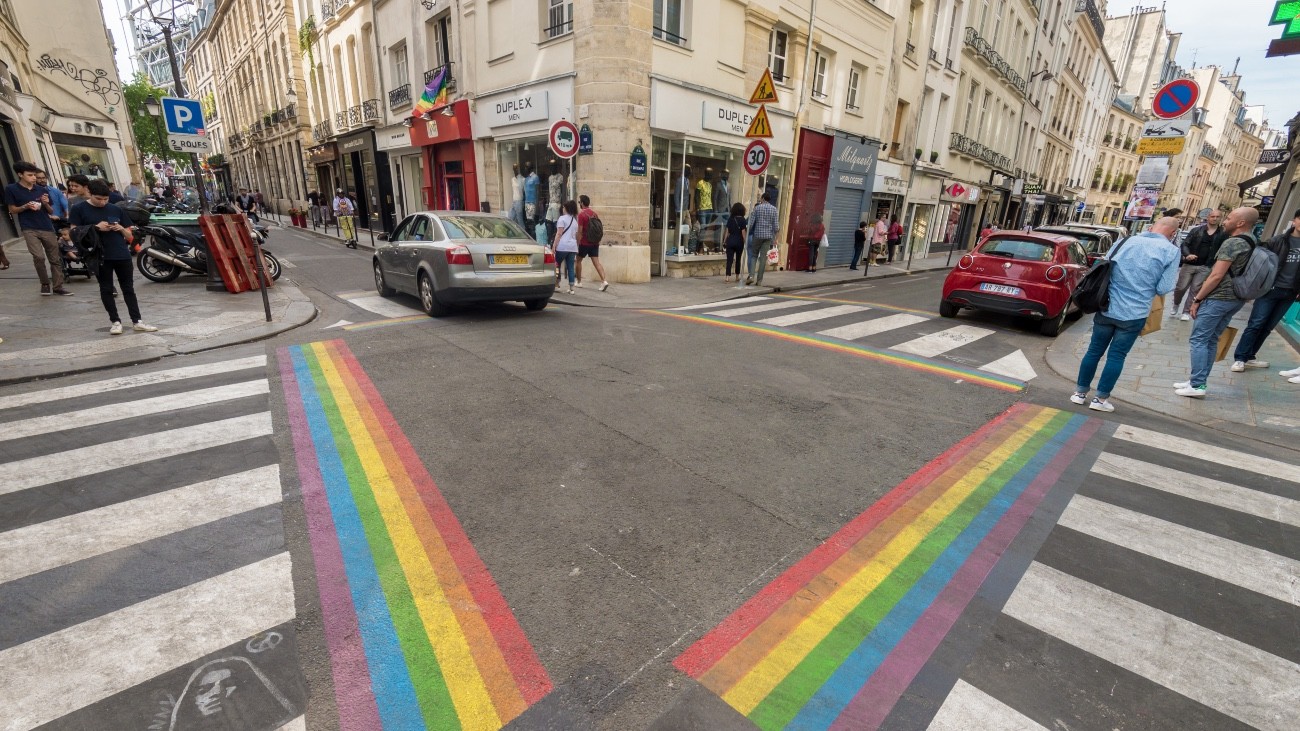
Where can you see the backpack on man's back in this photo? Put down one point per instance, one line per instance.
(595, 230)
(1256, 279)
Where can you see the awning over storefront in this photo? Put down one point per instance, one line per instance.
(1248, 184)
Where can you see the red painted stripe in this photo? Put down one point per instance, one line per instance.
(710, 648)
(527, 670)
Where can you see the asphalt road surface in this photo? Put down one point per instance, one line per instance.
(830, 510)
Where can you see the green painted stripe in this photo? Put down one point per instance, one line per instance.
(781, 706)
(421, 663)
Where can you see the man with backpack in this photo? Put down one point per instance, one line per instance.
(1269, 308)
(590, 233)
(1241, 272)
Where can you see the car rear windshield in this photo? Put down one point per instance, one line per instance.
(464, 227)
(1019, 249)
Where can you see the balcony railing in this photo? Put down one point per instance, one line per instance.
(451, 79)
(321, 132)
(910, 50)
(664, 34)
(341, 121)
(934, 55)
(1089, 8)
(328, 9)
(237, 140)
(370, 110)
(354, 115)
(400, 97)
(970, 148)
(985, 50)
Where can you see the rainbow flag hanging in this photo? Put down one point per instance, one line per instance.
(435, 92)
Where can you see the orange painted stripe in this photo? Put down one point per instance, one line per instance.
(491, 664)
(743, 657)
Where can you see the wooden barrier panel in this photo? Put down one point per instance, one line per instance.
(232, 251)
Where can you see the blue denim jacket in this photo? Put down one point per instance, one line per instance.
(1144, 266)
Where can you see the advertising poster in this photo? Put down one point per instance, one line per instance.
(1143, 203)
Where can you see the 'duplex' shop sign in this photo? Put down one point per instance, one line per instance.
(732, 119)
(525, 107)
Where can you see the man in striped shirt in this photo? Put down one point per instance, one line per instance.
(762, 231)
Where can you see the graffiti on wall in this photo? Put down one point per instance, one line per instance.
(94, 81)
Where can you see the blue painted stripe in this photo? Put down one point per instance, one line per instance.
(389, 679)
(839, 690)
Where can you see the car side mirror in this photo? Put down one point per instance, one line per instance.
(382, 237)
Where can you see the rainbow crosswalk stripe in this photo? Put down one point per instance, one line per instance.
(835, 640)
(418, 632)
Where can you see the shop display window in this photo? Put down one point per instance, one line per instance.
(93, 162)
(534, 183)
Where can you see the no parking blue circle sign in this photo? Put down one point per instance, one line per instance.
(1175, 99)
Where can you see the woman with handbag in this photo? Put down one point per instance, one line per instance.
(815, 236)
(893, 237)
(735, 242)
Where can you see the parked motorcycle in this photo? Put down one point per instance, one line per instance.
(171, 252)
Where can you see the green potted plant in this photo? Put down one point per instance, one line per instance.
(934, 156)
(918, 153)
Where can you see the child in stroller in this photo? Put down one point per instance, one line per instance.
(72, 261)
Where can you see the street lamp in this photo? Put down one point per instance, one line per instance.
(152, 107)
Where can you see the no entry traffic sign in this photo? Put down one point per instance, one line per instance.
(757, 156)
(1175, 99)
(564, 139)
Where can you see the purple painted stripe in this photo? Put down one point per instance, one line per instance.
(356, 704)
(876, 699)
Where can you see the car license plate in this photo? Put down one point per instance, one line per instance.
(1000, 289)
(514, 259)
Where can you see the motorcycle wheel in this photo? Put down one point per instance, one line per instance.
(272, 265)
(156, 270)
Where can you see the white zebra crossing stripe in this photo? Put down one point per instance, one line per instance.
(382, 306)
(1210, 453)
(755, 309)
(1012, 365)
(822, 314)
(43, 546)
(1245, 566)
(707, 305)
(51, 395)
(1196, 487)
(867, 328)
(941, 342)
(1227, 675)
(130, 409)
(24, 474)
(968, 707)
(52, 676)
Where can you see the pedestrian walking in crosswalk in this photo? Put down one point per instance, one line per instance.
(144, 578)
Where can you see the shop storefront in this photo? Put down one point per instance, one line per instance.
(83, 155)
(403, 159)
(530, 181)
(449, 180)
(697, 174)
(855, 172)
(921, 214)
(955, 220)
(888, 192)
(322, 158)
(363, 171)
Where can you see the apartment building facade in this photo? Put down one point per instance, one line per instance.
(1116, 167)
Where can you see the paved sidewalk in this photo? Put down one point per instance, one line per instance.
(51, 336)
(1257, 403)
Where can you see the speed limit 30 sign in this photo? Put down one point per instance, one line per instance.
(757, 156)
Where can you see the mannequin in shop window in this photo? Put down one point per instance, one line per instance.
(681, 214)
(722, 194)
(517, 196)
(704, 207)
(532, 186)
(555, 185)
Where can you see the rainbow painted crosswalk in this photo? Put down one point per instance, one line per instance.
(416, 627)
(836, 640)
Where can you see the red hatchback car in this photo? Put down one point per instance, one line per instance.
(1017, 273)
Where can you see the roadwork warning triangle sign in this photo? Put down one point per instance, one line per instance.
(760, 127)
(765, 92)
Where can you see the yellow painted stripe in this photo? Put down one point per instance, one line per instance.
(468, 693)
(772, 669)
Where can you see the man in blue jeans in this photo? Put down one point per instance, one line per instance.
(1268, 310)
(1144, 266)
(1216, 302)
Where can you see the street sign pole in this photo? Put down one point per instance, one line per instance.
(179, 88)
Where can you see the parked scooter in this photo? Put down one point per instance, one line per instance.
(172, 252)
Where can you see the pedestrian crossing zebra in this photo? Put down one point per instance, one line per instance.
(144, 578)
(876, 326)
(1164, 597)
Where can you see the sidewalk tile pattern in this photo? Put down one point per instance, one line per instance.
(418, 631)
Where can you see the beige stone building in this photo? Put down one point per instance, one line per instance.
(1117, 164)
(246, 66)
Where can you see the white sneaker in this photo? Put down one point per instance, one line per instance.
(579, 283)
(1190, 392)
(116, 329)
(140, 327)
(570, 290)
(1293, 379)
(1291, 373)
(1184, 317)
(1254, 363)
(1238, 367)
(1182, 384)
(604, 286)
(1079, 397)
(1099, 405)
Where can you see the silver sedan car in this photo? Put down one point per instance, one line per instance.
(448, 258)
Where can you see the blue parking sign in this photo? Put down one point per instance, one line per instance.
(182, 116)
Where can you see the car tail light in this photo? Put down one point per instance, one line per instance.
(549, 257)
(459, 255)
(965, 262)
(1055, 273)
